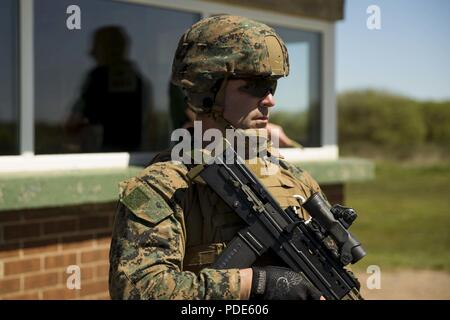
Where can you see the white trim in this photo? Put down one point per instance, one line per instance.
(329, 109)
(39, 163)
(26, 67)
(325, 153)
(122, 160)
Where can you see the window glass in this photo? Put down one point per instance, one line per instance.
(104, 87)
(9, 115)
(297, 97)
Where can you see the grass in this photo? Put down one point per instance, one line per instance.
(404, 216)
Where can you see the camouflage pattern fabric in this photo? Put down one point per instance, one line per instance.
(227, 46)
(167, 229)
(162, 218)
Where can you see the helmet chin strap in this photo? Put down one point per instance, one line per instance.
(218, 108)
(223, 124)
(216, 113)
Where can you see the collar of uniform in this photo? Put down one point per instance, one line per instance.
(272, 151)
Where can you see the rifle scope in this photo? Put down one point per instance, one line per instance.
(320, 210)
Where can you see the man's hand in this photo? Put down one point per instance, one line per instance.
(276, 283)
(276, 132)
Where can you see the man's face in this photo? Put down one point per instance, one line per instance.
(244, 110)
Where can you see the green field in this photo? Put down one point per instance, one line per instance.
(404, 216)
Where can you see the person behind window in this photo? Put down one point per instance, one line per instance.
(114, 97)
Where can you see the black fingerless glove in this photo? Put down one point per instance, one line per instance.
(276, 283)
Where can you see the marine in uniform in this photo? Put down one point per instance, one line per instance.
(168, 229)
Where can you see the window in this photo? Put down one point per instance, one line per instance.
(64, 69)
(104, 88)
(9, 115)
(298, 97)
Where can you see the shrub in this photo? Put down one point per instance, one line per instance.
(437, 120)
(380, 119)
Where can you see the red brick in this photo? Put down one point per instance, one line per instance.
(9, 216)
(95, 255)
(23, 296)
(60, 294)
(94, 288)
(87, 273)
(96, 222)
(97, 296)
(60, 261)
(41, 214)
(40, 246)
(78, 241)
(20, 231)
(103, 238)
(102, 207)
(112, 218)
(22, 266)
(102, 271)
(10, 285)
(9, 250)
(62, 226)
(41, 280)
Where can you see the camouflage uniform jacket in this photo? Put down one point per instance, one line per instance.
(163, 219)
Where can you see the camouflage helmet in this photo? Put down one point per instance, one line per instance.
(227, 46)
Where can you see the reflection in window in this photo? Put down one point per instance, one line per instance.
(9, 143)
(104, 88)
(297, 97)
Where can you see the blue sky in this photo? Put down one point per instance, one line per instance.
(410, 55)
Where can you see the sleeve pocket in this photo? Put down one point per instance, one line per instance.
(147, 204)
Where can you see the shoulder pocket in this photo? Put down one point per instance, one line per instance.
(286, 182)
(147, 204)
(277, 180)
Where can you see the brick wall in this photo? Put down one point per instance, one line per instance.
(37, 246)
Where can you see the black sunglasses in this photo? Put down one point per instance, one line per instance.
(259, 87)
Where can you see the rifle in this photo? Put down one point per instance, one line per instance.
(319, 248)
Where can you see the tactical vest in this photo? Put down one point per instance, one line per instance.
(211, 224)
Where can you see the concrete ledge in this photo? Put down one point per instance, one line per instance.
(340, 171)
(64, 188)
(61, 188)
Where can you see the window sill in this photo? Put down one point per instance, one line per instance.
(122, 160)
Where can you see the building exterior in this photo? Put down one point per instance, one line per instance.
(59, 185)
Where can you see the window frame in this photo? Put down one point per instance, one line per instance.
(28, 161)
